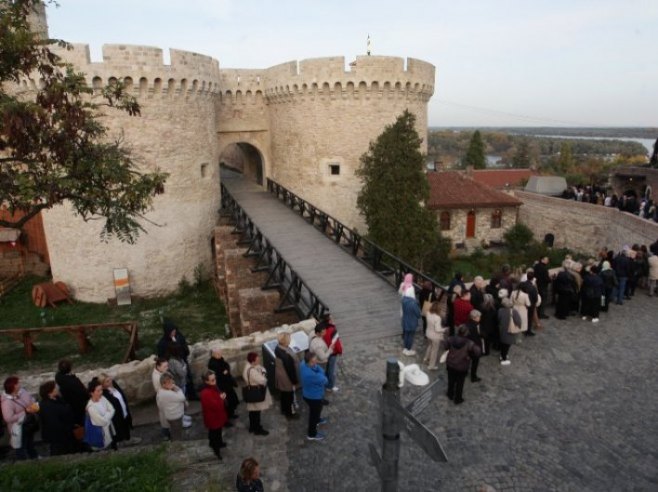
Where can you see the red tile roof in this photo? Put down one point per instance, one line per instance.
(502, 178)
(453, 189)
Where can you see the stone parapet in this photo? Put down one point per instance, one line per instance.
(135, 377)
(583, 226)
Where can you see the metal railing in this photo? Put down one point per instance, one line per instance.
(295, 294)
(386, 265)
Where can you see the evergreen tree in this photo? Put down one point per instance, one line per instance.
(475, 153)
(566, 161)
(521, 157)
(394, 192)
(53, 145)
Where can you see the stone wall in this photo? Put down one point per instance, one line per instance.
(483, 229)
(583, 226)
(176, 133)
(135, 377)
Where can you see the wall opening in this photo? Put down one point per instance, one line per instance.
(243, 158)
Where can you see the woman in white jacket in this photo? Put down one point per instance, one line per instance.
(435, 333)
(100, 412)
(521, 302)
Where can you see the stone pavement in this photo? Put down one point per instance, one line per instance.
(576, 411)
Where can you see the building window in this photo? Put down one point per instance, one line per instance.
(496, 219)
(334, 169)
(445, 221)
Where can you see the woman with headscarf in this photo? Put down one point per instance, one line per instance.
(407, 286)
(610, 283)
(509, 323)
(225, 381)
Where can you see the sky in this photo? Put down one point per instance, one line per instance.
(498, 62)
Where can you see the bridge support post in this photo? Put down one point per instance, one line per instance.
(390, 428)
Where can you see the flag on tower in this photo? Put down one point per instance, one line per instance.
(368, 45)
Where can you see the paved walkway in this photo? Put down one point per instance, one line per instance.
(364, 306)
(576, 411)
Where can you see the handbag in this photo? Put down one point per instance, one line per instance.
(512, 328)
(444, 357)
(79, 433)
(253, 394)
(30, 424)
(93, 434)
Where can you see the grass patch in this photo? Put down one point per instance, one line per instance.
(143, 471)
(196, 310)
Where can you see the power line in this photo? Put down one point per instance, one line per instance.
(528, 118)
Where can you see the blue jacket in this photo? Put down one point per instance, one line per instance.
(410, 314)
(313, 381)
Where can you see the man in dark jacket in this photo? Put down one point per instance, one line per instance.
(543, 281)
(56, 420)
(622, 267)
(72, 390)
(474, 335)
(529, 288)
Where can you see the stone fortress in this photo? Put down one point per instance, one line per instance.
(304, 124)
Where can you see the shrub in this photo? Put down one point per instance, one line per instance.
(518, 238)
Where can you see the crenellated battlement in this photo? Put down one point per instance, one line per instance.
(368, 76)
(142, 68)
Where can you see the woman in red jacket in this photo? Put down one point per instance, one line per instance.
(214, 412)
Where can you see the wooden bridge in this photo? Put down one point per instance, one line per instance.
(364, 306)
(332, 260)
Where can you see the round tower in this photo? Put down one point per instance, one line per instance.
(322, 118)
(177, 133)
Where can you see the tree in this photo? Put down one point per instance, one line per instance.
(394, 191)
(525, 155)
(475, 153)
(53, 148)
(566, 161)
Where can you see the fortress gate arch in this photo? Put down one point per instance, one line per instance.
(245, 158)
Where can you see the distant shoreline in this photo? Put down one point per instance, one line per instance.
(611, 132)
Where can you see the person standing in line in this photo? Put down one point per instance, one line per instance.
(475, 336)
(72, 390)
(313, 384)
(225, 381)
(407, 286)
(528, 286)
(507, 315)
(435, 333)
(254, 374)
(214, 412)
(565, 288)
(622, 267)
(653, 273)
(286, 374)
(609, 279)
(543, 281)
(489, 324)
(329, 334)
(171, 403)
(319, 347)
(477, 292)
(248, 479)
(426, 298)
(100, 413)
(17, 406)
(460, 350)
(123, 420)
(521, 302)
(57, 420)
(591, 293)
(462, 308)
(410, 318)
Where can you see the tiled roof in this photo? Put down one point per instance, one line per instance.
(453, 189)
(502, 178)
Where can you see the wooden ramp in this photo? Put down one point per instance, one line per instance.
(363, 306)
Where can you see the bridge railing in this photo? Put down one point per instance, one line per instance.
(296, 295)
(386, 265)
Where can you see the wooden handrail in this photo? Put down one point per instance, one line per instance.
(27, 336)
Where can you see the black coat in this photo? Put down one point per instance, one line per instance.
(74, 393)
(122, 425)
(225, 381)
(474, 333)
(57, 423)
(477, 297)
(542, 275)
(529, 288)
(592, 287)
(167, 327)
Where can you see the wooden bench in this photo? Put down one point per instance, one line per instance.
(50, 293)
(27, 336)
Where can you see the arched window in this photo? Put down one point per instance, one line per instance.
(445, 221)
(496, 219)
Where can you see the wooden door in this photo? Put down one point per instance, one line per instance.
(470, 224)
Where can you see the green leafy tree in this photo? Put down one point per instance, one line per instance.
(394, 191)
(566, 161)
(475, 153)
(521, 158)
(518, 238)
(53, 147)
